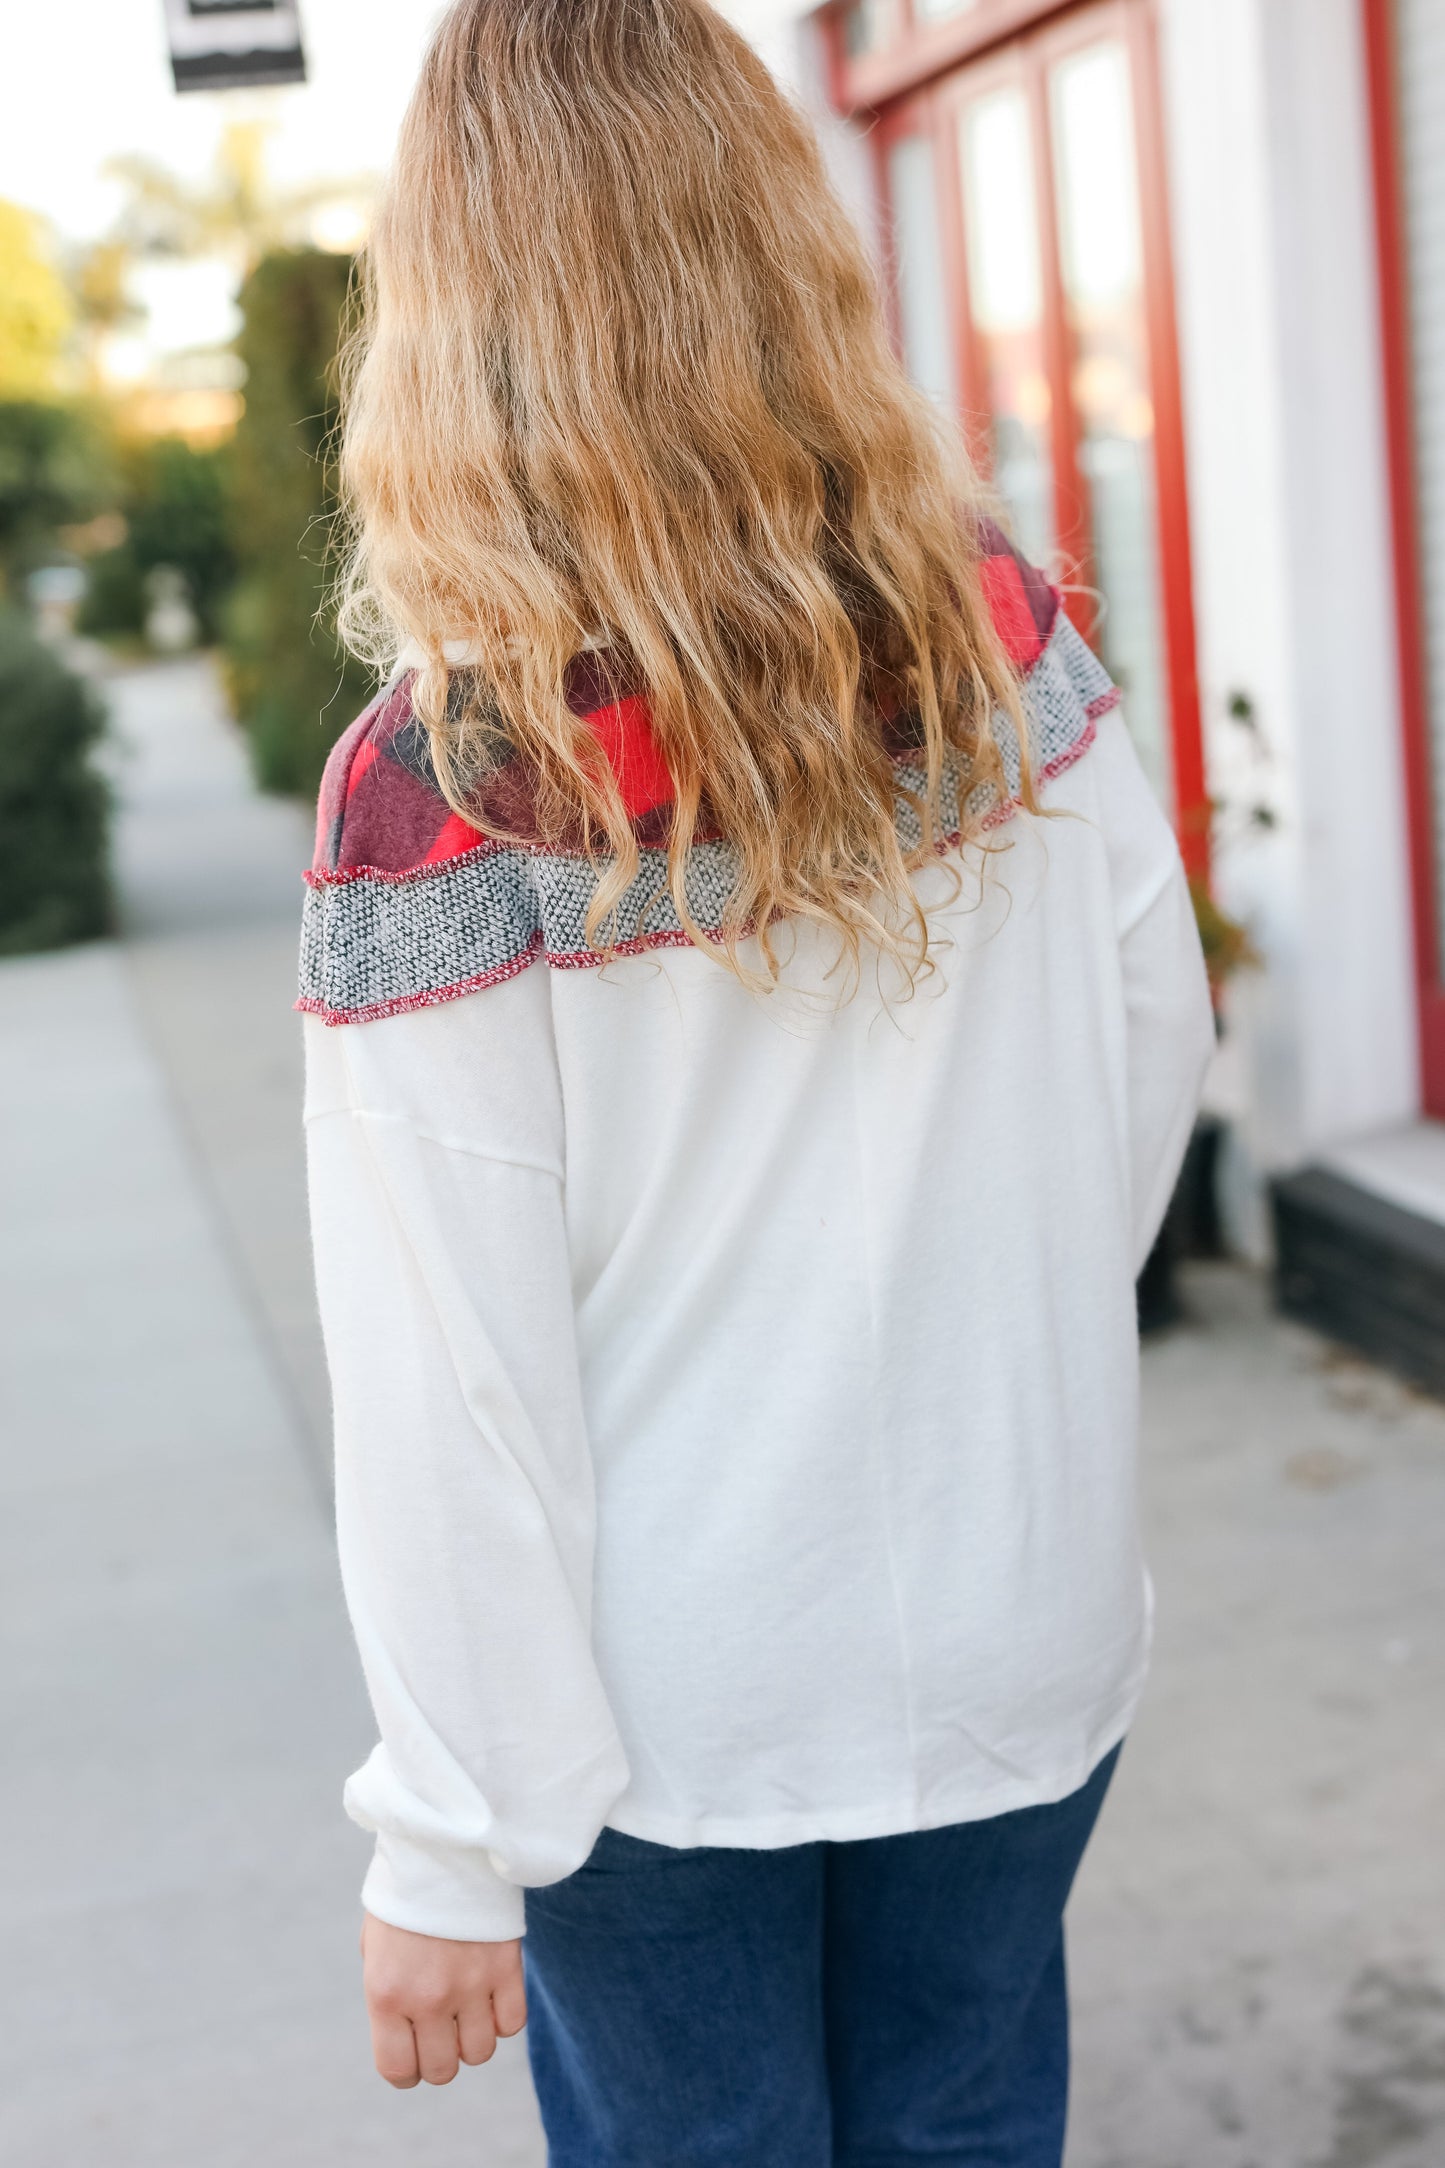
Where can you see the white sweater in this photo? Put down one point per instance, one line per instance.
(736, 1396)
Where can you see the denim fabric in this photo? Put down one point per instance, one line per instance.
(863, 2005)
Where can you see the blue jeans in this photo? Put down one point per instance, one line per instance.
(861, 2005)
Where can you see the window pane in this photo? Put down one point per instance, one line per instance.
(1006, 305)
(868, 26)
(1102, 263)
(1421, 37)
(918, 259)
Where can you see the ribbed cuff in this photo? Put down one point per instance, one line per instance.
(454, 1892)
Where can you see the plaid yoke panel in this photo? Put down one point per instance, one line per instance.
(407, 905)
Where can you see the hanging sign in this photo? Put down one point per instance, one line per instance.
(233, 44)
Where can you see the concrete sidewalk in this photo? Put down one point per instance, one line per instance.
(1259, 1933)
(180, 1700)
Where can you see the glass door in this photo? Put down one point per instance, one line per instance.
(917, 254)
(1035, 289)
(1101, 268)
(1004, 283)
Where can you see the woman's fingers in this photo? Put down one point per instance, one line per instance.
(436, 2046)
(509, 2001)
(436, 2003)
(476, 2031)
(393, 2048)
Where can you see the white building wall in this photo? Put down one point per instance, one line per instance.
(1358, 1020)
(1267, 121)
(1215, 96)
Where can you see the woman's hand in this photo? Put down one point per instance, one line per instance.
(434, 2004)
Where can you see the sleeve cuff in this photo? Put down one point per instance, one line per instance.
(453, 1892)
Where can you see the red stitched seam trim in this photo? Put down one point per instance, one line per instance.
(639, 944)
(489, 847)
(512, 969)
(1102, 703)
(534, 952)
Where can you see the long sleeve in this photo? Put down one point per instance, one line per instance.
(1168, 1013)
(464, 1487)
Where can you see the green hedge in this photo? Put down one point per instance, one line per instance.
(294, 687)
(54, 805)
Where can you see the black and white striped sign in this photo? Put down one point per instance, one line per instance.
(233, 44)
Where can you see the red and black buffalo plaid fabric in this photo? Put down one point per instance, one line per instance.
(380, 806)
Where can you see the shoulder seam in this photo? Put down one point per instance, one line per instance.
(459, 1145)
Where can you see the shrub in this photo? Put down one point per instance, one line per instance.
(115, 595)
(174, 499)
(54, 805)
(294, 687)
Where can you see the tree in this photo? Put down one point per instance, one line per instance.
(35, 313)
(237, 214)
(104, 304)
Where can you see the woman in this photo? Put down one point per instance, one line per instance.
(754, 1021)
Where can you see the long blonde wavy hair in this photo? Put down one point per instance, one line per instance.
(622, 372)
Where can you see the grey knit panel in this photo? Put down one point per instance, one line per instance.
(372, 945)
(1067, 687)
(565, 887)
(368, 943)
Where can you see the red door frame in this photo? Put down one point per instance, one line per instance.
(921, 50)
(1193, 810)
(1379, 27)
(905, 87)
